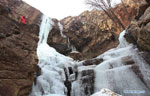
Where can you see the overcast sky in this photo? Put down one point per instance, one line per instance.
(62, 8)
(59, 8)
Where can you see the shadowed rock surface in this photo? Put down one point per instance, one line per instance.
(19, 8)
(18, 60)
(90, 36)
(138, 31)
(93, 32)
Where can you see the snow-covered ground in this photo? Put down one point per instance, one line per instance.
(105, 92)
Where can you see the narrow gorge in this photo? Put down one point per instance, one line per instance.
(120, 70)
(85, 55)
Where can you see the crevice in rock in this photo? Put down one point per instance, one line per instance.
(67, 82)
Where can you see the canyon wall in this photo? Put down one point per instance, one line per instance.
(92, 32)
(18, 60)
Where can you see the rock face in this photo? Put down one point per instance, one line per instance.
(18, 61)
(19, 8)
(93, 32)
(138, 32)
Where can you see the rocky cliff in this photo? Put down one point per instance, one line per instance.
(92, 32)
(133, 67)
(138, 32)
(19, 8)
(18, 60)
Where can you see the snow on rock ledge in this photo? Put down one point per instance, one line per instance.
(105, 92)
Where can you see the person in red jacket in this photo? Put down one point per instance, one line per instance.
(23, 20)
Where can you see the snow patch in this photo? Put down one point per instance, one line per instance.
(105, 92)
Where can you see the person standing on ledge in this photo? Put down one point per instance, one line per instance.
(23, 20)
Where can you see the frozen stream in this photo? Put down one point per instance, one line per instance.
(113, 73)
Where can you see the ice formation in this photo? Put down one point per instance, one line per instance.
(52, 63)
(61, 30)
(113, 73)
(105, 92)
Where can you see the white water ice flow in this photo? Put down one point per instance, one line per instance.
(61, 30)
(116, 74)
(52, 64)
(113, 73)
(71, 46)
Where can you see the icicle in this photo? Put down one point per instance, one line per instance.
(122, 40)
(61, 30)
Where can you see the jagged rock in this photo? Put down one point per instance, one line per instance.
(57, 41)
(18, 58)
(3, 10)
(93, 32)
(105, 92)
(128, 60)
(94, 61)
(138, 31)
(76, 55)
(20, 8)
(146, 56)
(61, 48)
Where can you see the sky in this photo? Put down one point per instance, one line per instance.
(59, 8)
(62, 8)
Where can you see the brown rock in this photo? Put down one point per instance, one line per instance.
(128, 60)
(138, 31)
(93, 61)
(18, 58)
(20, 8)
(76, 55)
(92, 32)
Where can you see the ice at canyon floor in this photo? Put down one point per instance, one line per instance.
(113, 73)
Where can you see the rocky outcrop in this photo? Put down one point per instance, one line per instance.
(56, 40)
(18, 60)
(19, 8)
(138, 32)
(93, 32)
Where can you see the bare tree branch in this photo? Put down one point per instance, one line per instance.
(106, 6)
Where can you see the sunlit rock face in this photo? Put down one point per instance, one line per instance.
(139, 29)
(20, 8)
(18, 59)
(92, 32)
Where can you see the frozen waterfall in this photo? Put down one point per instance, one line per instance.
(51, 81)
(62, 76)
(118, 75)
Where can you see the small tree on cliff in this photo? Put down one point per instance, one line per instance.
(106, 6)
